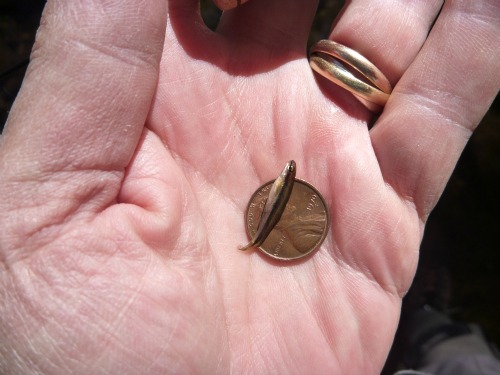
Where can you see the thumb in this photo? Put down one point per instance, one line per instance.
(80, 111)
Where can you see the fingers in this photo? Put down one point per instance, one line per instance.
(273, 23)
(439, 101)
(228, 4)
(389, 33)
(87, 91)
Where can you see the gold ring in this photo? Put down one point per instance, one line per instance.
(333, 60)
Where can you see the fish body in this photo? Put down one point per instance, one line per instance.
(275, 204)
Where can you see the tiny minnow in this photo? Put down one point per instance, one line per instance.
(275, 205)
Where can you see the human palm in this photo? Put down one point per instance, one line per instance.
(131, 265)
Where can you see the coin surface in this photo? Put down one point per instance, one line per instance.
(302, 227)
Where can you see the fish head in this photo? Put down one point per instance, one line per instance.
(290, 168)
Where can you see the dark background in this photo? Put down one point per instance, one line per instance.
(459, 270)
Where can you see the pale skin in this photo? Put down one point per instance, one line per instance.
(137, 139)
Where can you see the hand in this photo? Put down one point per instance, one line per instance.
(130, 155)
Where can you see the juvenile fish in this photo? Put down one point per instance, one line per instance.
(275, 205)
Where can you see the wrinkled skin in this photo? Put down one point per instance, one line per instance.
(137, 139)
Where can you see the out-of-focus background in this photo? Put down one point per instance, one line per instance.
(459, 271)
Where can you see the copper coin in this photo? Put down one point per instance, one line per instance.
(302, 227)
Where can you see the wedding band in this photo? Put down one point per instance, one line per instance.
(340, 65)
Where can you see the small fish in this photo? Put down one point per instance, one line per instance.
(275, 205)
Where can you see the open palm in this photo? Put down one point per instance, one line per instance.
(124, 258)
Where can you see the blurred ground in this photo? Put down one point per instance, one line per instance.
(459, 271)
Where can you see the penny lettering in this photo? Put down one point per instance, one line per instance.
(279, 246)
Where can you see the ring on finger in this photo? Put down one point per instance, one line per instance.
(332, 60)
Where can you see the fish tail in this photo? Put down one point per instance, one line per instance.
(248, 246)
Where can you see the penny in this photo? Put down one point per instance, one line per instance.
(302, 227)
